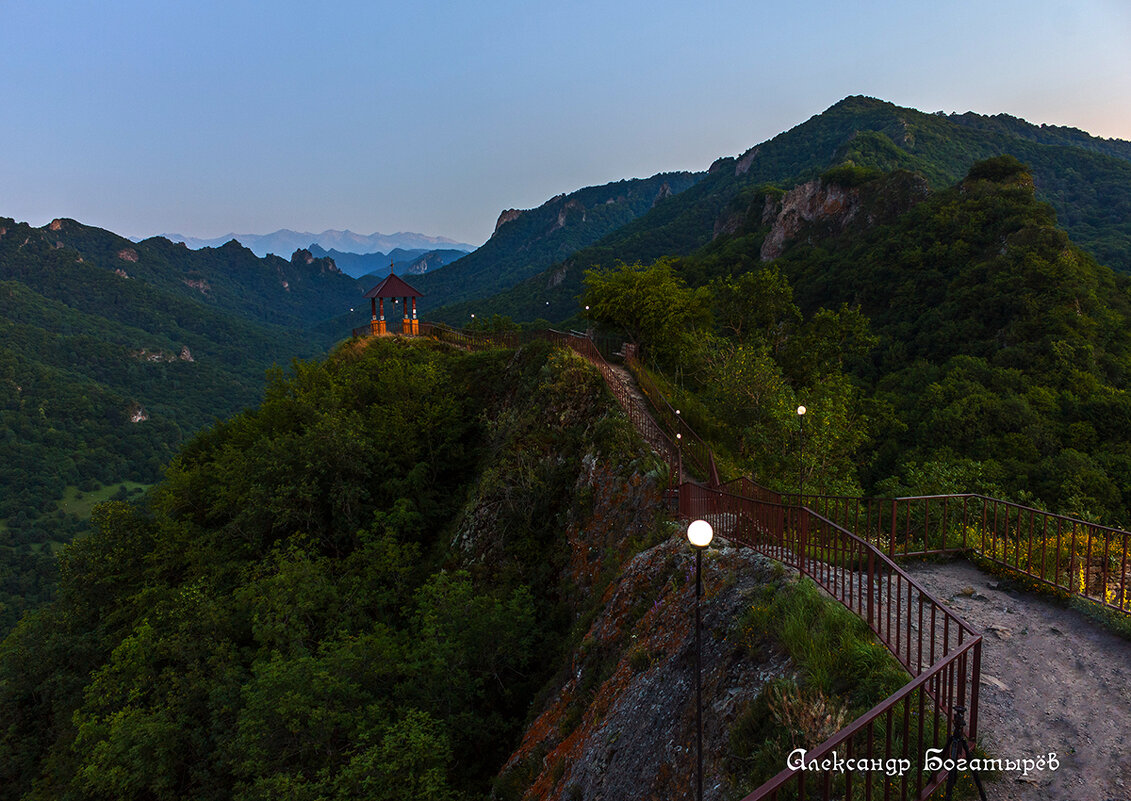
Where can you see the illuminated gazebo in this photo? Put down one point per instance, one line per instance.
(393, 288)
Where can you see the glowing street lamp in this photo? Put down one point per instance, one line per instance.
(699, 534)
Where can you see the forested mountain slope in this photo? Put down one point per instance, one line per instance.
(353, 590)
(294, 293)
(525, 242)
(112, 353)
(1087, 180)
(948, 341)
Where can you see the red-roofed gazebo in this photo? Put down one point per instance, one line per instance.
(393, 287)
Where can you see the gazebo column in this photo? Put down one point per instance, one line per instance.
(379, 321)
(412, 326)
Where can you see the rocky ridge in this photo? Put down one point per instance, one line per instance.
(621, 723)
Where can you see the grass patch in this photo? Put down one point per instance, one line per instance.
(842, 671)
(79, 504)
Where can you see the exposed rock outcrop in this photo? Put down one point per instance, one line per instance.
(719, 164)
(836, 207)
(198, 284)
(742, 166)
(304, 258)
(157, 356)
(568, 213)
(729, 223)
(137, 413)
(506, 216)
(804, 204)
(622, 723)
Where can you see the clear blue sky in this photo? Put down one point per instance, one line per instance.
(209, 117)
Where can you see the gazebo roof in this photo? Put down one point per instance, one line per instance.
(393, 287)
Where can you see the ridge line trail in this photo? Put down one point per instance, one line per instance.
(1052, 681)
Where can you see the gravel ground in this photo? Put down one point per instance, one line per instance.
(1053, 681)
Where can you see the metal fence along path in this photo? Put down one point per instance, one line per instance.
(1082, 559)
(940, 651)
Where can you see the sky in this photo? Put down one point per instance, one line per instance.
(205, 118)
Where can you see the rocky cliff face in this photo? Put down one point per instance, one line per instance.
(617, 721)
(325, 264)
(620, 723)
(805, 204)
(836, 207)
(506, 216)
(602, 497)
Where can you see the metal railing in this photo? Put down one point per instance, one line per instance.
(691, 445)
(940, 651)
(1083, 559)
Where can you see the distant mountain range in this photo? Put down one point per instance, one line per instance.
(404, 262)
(285, 241)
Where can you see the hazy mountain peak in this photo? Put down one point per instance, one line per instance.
(286, 240)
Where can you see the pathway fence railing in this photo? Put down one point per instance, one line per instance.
(694, 449)
(1087, 560)
(940, 651)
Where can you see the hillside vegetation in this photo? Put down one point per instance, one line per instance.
(954, 341)
(112, 353)
(526, 242)
(1086, 180)
(353, 590)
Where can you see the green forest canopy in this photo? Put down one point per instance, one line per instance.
(963, 345)
(300, 614)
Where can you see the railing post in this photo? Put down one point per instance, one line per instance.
(975, 684)
(803, 534)
(871, 588)
(891, 542)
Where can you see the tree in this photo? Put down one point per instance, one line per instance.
(756, 304)
(651, 304)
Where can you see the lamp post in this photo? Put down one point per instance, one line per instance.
(678, 438)
(699, 534)
(800, 455)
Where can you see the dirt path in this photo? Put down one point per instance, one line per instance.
(626, 378)
(1052, 681)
